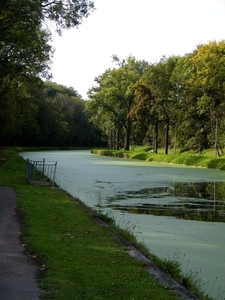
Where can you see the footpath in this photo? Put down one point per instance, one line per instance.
(18, 272)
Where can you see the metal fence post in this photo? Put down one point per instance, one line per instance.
(53, 180)
(38, 171)
(43, 168)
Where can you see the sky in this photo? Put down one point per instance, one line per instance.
(145, 29)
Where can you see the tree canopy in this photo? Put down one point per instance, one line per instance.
(25, 57)
(65, 13)
(176, 100)
(24, 47)
(114, 98)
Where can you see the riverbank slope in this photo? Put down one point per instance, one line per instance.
(206, 159)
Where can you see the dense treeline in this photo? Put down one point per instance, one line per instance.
(176, 102)
(52, 115)
(34, 113)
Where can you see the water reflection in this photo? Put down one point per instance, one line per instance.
(200, 201)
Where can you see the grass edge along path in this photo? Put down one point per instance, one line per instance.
(81, 259)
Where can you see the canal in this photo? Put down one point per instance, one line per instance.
(178, 212)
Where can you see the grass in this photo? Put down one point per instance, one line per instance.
(81, 259)
(205, 159)
(189, 279)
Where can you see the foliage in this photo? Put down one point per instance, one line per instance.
(53, 115)
(113, 99)
(178, 101)
(158, 80)
(65, 13)
(25, 57)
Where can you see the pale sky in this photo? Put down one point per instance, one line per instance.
(146, 29)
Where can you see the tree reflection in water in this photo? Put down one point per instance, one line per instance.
(200, 201)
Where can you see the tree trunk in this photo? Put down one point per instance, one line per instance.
(175, 139)
(111, 139)
(127, 138)
(117, 140)
(167, 137)
(156, 137)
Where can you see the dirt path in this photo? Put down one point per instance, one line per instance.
(18, 272)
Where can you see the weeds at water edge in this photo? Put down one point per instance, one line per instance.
(190, 279)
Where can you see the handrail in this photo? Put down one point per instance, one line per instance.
(41, 172)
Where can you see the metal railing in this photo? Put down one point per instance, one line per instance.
(41, 172)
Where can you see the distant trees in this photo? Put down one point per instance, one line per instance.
(70, 124)
(176, 100)
(53, 116)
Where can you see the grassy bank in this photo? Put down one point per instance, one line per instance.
(205, 159)
(79, 258)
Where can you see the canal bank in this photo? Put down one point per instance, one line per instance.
(102, 182)
(20, 273)
(81, 259)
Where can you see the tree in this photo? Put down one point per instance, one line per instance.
(145, 111)
(65, 13)
(25, 52)
(209, 65)
(71, 121)
(158, 80)
(114, 97)
(24, 48)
